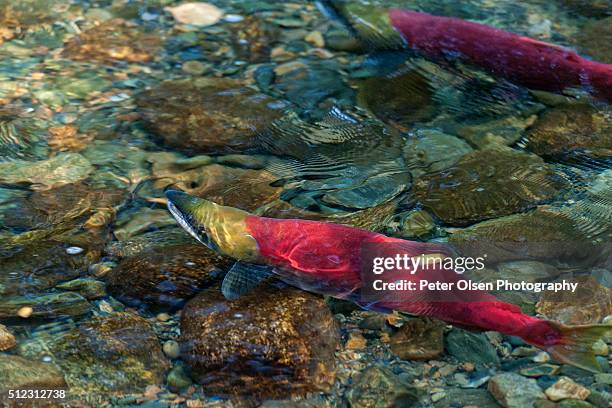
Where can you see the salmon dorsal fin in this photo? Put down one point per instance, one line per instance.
(243, 278)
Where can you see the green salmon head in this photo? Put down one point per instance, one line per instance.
(222, 229)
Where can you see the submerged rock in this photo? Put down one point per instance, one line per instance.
(120, 351)
(65, 168)
(270, 343)
(514, 391)
(207, 115)
(595, 37)
(544, 234)
(399, 101)
(589, 304)
(113, 40)
(253, 39)
(45, 305)
(471, 347)
(419, 339)
(17, 373)
(431, 150)
(314, 87)
(379, 387)
(36, 267)
(458, 397)
(247, 189)
(7, 339)
(486, 184)
(165, 275)
(566, 388)
(572, 132)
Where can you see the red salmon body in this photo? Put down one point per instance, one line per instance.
(326, 258)
(534, 64)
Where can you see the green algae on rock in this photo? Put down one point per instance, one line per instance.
(120, 350)
(271, 343)
(47, 306)
(18, 373)
(65, 168)
(207, 115)
(486, 184)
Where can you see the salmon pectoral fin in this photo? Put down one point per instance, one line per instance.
(243, 278)
(575, 345)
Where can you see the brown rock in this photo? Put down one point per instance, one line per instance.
(566, 388)
(7, 340)
(589, 304)
(20, 373)
(268, 344)
(246, 189)
(207, 115)
(419, 339)
(66, 138)
(485, 184)
(166, 275)
(113, 40)
(577, 130)
(356, 341)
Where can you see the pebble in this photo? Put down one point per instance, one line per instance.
(315, 38)
(178, 379)
(233, 18)
(74, 250)
(514, 391)
(194, 67)
(25, 312)
(151, 392)
(171, 349)
(438, 396)
(541, 357)
(197, 14)
(603, 378)
(163, 317)
(7, 340)
(356, 341)
(540, 370)
(600, 348)
(524, 351)
(566, 388)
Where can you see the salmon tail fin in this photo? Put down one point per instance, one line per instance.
(575, 346)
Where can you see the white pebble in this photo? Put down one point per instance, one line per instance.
(233, 18)
(74, 250)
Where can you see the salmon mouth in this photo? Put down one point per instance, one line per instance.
(182, 207)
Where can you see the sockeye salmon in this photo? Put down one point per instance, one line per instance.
(325, 258)
(523, 60)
